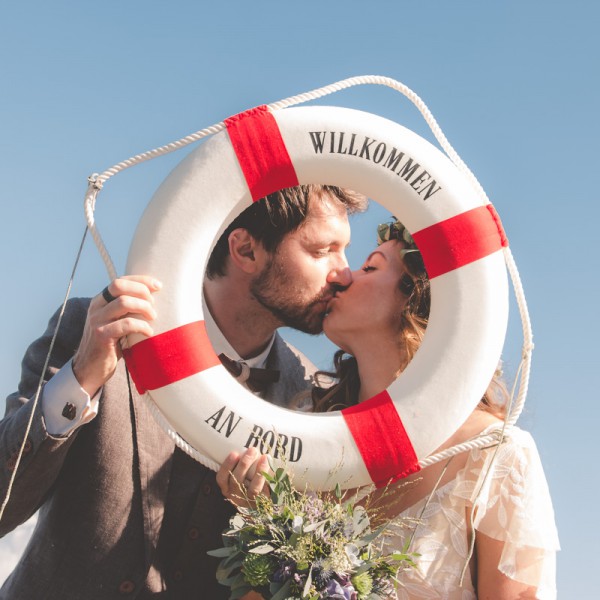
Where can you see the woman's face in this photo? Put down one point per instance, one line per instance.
(371, 306)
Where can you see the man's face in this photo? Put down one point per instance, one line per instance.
(308, 266)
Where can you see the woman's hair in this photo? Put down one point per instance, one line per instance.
(414, 285)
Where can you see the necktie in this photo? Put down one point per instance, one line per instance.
(256, 379)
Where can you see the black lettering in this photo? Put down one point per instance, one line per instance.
(318, 139)
(415, 183)
(339, 150)
(215, 421)
(215, 418)
(351, 148)
(377, 158)
(407, 171)
(295, 449)
(332, 142)
(282, 443)
(393, 159)
(267, 442)
(430, 193)
(255, 436)
(230, 424)
(365, 148)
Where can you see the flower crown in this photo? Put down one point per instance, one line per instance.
(394, 230)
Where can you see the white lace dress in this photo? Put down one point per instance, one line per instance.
(513, 506)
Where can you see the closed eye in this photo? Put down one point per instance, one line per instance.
(368, 268)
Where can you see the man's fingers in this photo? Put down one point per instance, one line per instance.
(115, 330)
(137, 286)
(124, 306)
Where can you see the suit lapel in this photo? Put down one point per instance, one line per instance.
(296, 373)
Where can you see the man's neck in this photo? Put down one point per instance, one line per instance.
(246, 325)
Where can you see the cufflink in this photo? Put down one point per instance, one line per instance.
(69, 411)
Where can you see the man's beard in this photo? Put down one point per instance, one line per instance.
(274, 290)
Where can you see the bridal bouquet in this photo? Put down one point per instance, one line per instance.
(307, 546)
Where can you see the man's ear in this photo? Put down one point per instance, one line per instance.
(245, 251)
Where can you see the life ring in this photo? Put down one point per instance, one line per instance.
(460, 238)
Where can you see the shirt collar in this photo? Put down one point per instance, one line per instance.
(222, 346)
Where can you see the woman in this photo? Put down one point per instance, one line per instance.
(494, 498)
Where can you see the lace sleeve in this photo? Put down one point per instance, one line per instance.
(514, 507)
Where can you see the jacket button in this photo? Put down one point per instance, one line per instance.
(207, 489)
(126, 587)
(28, 446)
(178, 575)
(193, 533)
(11, 463)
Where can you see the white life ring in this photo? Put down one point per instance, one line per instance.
(461, 242)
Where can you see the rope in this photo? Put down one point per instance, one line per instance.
(97, 181)
(38, 390)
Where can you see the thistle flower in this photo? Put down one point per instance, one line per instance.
(363, 583)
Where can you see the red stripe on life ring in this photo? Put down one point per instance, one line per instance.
(170, 356)
(460, 240)
(261, 152)
(381, 439)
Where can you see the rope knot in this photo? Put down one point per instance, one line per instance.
(95, 181)
(527, 349)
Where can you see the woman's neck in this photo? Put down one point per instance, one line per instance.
(379, 363)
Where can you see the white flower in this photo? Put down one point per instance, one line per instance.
(297, 524)
(352, 554)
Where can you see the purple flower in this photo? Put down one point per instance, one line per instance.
(284, 572)
(338, 591)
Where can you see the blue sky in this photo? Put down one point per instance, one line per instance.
(514, 86)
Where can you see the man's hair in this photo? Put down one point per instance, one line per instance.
(271, 218)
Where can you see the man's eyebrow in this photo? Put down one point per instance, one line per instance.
(321, 242)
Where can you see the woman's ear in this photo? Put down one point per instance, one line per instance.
(245, 251)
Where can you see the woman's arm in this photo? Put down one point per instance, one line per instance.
(491, 583)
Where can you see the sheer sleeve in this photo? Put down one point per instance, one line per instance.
(513, 505)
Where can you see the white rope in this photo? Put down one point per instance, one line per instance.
(177, 439)
(97, 181)
(38, 391)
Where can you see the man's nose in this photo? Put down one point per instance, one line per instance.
(342, 276)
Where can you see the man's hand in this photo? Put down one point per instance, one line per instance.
(107, 322)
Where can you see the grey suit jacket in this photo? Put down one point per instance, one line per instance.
(101, 492)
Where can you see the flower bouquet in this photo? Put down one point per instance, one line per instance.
(307, 546)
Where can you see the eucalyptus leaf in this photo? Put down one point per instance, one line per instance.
(313, 526)
(262, 549)
(221, 552)
(308, 583)
(283, 592)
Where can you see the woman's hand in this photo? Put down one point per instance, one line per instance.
(240, 476)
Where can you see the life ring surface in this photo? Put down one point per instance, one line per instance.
(459, 236)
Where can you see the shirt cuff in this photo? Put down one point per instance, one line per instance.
(65, 404)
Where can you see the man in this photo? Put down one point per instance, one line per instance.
(122, 512)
